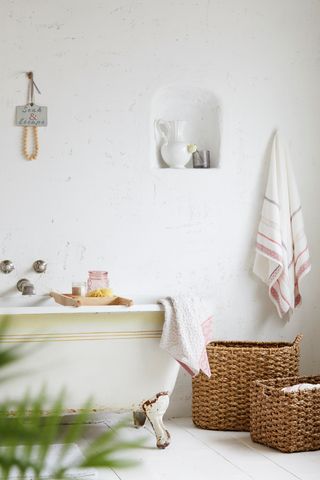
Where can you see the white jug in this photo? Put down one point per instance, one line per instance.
(174, 149)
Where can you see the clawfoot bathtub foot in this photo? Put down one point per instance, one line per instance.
(139, 419)
(154, 410)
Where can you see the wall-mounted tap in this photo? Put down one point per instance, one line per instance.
(25, 287)
(6, 266)
(40, 266)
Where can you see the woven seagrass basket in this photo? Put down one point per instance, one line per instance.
(222, 402)
(289, 422)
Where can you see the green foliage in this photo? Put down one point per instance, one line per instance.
(26, 434)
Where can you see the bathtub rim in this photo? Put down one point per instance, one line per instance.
(9, 305)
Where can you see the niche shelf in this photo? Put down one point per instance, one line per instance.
(200, 108)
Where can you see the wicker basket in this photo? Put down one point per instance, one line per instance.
(222, 402)
(289, 422)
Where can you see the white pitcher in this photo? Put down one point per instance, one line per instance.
(174, 149)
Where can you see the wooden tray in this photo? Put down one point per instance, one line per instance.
(69, 300)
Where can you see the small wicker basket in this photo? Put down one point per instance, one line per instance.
(289, 422)
(222, 402)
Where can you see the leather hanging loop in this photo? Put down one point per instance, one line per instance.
(32, 86)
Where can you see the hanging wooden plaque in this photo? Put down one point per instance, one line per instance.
(31, 116)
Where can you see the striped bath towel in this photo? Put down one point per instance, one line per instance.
(282, 256)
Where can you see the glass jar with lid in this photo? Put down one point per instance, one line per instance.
(97, 279)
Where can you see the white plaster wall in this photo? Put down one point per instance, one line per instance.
(94, 199)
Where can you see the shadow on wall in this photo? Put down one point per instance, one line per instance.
(199, 107)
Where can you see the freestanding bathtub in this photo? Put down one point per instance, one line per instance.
(110, 354)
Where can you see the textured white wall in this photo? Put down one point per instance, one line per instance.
(94, 199)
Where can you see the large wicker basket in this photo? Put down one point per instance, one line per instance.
(289, 422)
(222, 402)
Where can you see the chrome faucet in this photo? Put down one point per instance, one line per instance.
(26, 287)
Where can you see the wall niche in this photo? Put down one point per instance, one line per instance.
(201, 110)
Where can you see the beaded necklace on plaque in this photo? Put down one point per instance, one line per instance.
(30, 117)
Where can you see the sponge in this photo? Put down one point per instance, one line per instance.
(101, 292)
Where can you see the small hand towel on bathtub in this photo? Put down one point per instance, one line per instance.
(282, 256)
(186, 332)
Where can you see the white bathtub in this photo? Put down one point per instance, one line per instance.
(110, 354)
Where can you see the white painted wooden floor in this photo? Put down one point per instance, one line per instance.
(196, 454)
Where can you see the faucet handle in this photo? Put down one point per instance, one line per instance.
(40, 266)
(6, 266)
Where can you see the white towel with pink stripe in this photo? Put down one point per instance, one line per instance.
(282, 255)
(186, 332)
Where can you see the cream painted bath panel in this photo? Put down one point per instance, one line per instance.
(114, 358)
